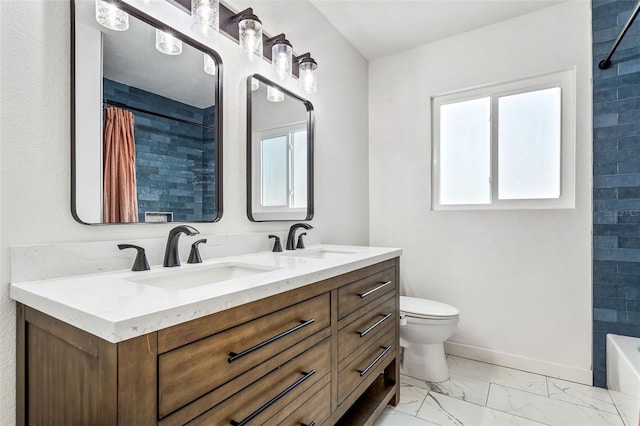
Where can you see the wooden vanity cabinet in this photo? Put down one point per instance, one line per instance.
(326, 353)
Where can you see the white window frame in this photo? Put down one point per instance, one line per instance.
(566, 81)
(270, 212)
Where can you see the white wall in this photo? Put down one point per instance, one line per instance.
(520, 278)
(35, 144)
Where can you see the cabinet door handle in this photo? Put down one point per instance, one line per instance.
(308, 424)
(382, 285)
(378, 358)
(274, 399)
(380, 321)
(234, 356)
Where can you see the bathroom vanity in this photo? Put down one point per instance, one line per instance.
(309, 339)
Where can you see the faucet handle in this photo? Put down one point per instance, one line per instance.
(194, 256)
(300, 244)
(140, 264)
(277, 247)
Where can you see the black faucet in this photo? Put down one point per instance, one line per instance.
(171, 256)
(291, 238)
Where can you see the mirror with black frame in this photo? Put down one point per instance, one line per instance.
(146, 126)
(280, 126)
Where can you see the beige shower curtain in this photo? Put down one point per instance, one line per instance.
(120, 196)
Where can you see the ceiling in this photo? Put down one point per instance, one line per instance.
(378, 28)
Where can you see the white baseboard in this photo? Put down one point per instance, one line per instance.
(546, 368)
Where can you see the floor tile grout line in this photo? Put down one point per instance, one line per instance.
(510, 413)
(584, 404)
(557, 400)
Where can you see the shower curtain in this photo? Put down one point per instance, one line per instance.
(120, 196)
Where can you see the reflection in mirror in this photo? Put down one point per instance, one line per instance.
(279, 153)
(147, 138)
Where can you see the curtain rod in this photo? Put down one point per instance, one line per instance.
(157, 114)
(606, 63)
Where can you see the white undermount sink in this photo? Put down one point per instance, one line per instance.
(183, 278)
(320, 253)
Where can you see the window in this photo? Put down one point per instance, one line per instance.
(283, 167)
(505, 146)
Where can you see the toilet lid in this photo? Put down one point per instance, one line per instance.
(425, 308)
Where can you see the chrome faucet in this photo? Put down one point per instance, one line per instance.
(291, 238)
(171, 256)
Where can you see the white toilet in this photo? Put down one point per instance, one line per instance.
(424, 326)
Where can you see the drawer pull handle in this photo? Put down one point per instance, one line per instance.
(234, 356)
(274, 399)
(380, 321)
(308, 424)
(378, 358)
(382, 285)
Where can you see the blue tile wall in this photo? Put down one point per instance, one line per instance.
(175, 162)
(616, 180)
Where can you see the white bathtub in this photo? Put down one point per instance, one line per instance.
(623, 376)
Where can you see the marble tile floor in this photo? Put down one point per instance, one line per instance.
(481, 394)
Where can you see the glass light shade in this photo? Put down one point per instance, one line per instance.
(109, 16)
(308, 76)
(167, 43)
(255, 84)
(281, 59)
(205, 15)
(209, 64)
(274, 95)
(250, 34)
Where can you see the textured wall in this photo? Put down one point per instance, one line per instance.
(173, 166)
(35, 139)
(616, 180)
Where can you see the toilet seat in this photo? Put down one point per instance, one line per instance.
(415, 307)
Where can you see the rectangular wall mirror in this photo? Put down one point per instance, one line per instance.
(280, 127)
(146, 125)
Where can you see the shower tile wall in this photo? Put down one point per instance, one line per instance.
(174, 161)
(616, 180)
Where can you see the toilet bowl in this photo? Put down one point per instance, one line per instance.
(424, 326)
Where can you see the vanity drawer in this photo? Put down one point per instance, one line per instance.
(191, 371)
(367, 327)
(314, 406)
(367, 366)
(267, 396)
(359, 293)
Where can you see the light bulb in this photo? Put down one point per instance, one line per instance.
(281, 57)
(205, 16)
(274, 95)
(250, 36)
(209, 64)
(167, 43)
(109, 16)
(308, 76)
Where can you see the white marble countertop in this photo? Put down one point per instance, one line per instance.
(114, 307)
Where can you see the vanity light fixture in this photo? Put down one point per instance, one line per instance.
(167, 43)
(274, 95)
(246, 28)
(255, 84)
(281, 56)
(249, 33)
(209, 64)
(109, 16)
(307, 73)
(205, 16)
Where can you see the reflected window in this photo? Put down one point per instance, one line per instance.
(283, 167)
